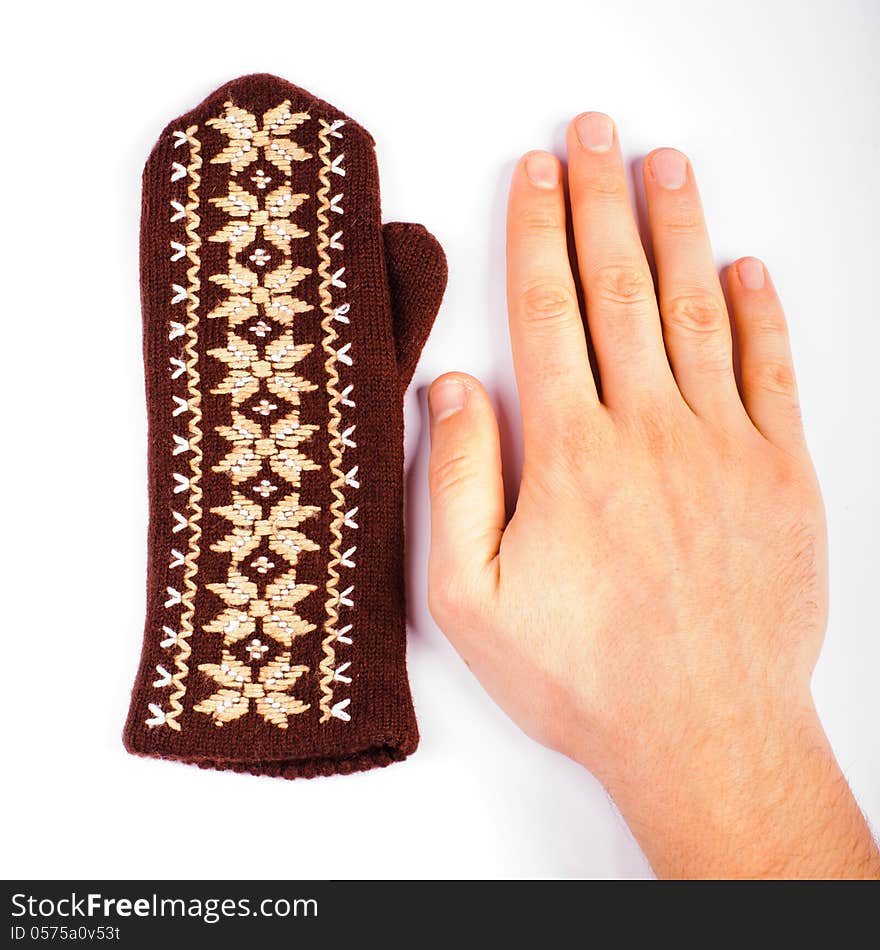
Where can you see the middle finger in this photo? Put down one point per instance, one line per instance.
(618, 290)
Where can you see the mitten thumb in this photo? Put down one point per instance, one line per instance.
(416, 268)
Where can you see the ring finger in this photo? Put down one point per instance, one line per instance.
(696, 327)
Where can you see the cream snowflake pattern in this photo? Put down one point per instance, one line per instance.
(251, 449)
(249, 528)
(247, 368)
(275, 610)
(258, 614)
(248, 218)
(271, 694)
(247, 139)
(248, 292)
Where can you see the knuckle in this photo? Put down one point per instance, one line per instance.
(547, 301)
(623, 285)
(695, 314)
(770, 323)
(718, 364)
(446, 475)
(657, 428)
(777, 377)
(441, 598)
(793, 483)
(540, 221)
(785, 476)
(577, 446)
(448, 597)
(607, 184)
(684, 222)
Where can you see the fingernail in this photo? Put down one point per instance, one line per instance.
(594, 131)
(446, 399)
(751, 273)
(669, 168)
(542, 169)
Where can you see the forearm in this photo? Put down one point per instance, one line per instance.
(761, 800)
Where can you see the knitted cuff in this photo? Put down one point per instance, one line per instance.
(281, 327)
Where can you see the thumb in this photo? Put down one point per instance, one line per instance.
(466, 489)
(416, 268)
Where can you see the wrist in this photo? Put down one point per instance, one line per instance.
(757, 795)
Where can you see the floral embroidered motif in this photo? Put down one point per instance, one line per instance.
(247, 140)
(249, 528)
(249, 365)
(271, 694)
(266, 437)
(275, 613)
(273, 218)
(251, 447)
(248, 293)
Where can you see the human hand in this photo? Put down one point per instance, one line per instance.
(656, 604)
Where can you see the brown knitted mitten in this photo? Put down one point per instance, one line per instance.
(282, 324)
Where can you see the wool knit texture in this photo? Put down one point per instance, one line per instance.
(282, 324)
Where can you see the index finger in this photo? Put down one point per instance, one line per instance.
(546, 329)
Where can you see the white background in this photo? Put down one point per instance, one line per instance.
(776, 104)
